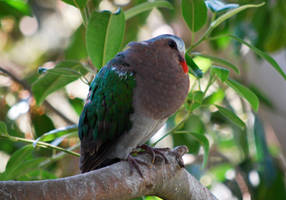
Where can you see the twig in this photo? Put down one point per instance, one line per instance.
(58, 156)
(39, 144)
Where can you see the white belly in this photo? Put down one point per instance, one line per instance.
(143, 128)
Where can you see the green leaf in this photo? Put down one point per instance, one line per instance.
(3, 128)
(194, 13)
(104, 36)
(202, 139)
(218, 6)
(77, 104)
(231, 13)
(231, 116)
(219, 60)
(195, 70)
(215, 97)
(245, 93)
(192, 123)
(220, 72)
(56, 133)
(260, 140)
(23, 167)
(17, 159)
(76, 3)
(263, 98)
(77, 48)
(15, 8)
(196, 99)
(219, 171)
(262, 54)
(63, 71)
(42, 123)
(145, 7)
(62, 74)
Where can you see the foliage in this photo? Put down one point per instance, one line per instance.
(208, 119)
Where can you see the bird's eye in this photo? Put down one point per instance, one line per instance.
(172, 44)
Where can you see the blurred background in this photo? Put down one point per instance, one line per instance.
(242, 164)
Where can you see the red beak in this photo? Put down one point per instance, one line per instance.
(184, 66)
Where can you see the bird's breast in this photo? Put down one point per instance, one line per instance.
(161, 95)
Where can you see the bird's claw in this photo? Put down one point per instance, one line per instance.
(155, 152)
(134, 162)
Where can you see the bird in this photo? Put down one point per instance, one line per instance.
(130, 99)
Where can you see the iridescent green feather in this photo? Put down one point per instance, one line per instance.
(107, 112)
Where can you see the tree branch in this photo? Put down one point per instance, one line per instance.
(168, 181)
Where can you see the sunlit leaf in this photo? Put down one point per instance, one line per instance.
(195, 70)
(231, 116)
(16, 8)
(203, 63)
(104, 36)
(219, 60)
(194, 13)
(66, 72)
(220, 72)
(62, 74)
(245, 93)
(145, 7)
(3, 128)
(56, 133)
(219, 6)
(264, 55)
(215, 97)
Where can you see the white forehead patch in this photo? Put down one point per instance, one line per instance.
(180, 43)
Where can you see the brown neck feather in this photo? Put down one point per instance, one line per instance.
(161, 84)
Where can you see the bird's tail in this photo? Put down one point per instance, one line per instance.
(94, 160)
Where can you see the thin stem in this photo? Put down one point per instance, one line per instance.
(213, 17)
(58, 156)
(204, 36)
(173, 129)
(39, 144)
(210, 82)
(193, 86)
(82, 12)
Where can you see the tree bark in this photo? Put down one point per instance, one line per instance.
(118, 181)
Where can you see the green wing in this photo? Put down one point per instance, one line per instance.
(106, 114)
